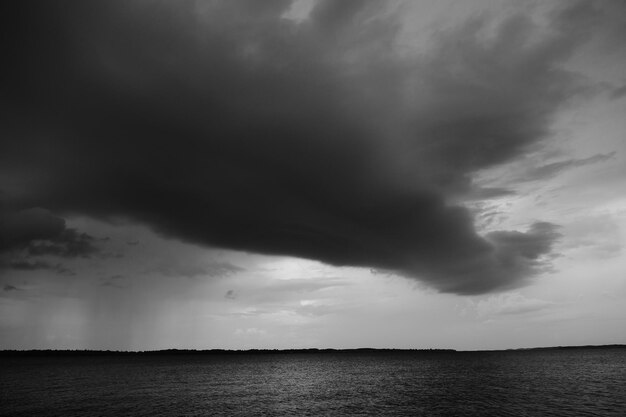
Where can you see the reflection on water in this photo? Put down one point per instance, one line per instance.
(542, 383)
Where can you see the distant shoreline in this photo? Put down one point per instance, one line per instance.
(181, 352)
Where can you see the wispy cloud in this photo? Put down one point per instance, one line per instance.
(552, 169)
(209, 269)
(9, 287)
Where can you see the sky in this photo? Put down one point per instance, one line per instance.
(312, 173)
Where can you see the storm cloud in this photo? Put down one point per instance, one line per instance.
(30, 234)
(227, 124)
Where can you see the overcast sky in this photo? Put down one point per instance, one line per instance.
(325, 173)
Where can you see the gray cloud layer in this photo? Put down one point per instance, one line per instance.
(222, 123)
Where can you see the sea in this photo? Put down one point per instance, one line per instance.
(549, 382)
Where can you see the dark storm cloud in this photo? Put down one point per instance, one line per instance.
(223, 123)
(39, 232)
(19, 228)
(26, 235)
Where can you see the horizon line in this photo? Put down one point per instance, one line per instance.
(291, 350)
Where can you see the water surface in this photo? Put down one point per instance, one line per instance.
(577, 382)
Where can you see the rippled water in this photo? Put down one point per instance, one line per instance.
(518, 383)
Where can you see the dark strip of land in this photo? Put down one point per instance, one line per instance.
(68, 352)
